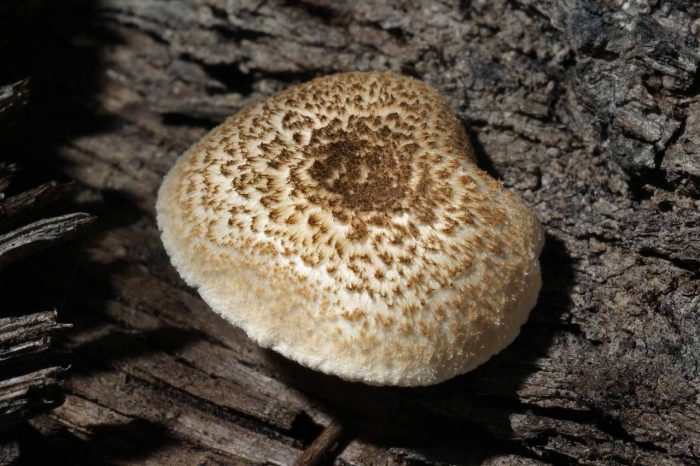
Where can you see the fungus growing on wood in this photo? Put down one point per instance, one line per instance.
(344, 224)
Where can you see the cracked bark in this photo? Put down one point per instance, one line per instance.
(588, 109)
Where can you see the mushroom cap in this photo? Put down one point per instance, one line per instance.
(344, 223)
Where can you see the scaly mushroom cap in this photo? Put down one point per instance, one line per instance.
(344, 223)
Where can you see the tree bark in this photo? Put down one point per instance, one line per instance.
(588, 109)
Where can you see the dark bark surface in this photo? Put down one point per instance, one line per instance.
(588, 109)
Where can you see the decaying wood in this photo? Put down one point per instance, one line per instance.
(588, 109)
(29, 382)
(12, 97)
(35, 198)
(38, 235)
(27, 239)
(321, 446)
(30, 376)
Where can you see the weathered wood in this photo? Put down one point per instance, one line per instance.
(588, 109)
(27, 334)
(20, 204)
(18, 244)
(29, 381)
(321, 446)
(12, 97)
(30, 375)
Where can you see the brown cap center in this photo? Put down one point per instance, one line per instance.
(367, 176)
(360, 171)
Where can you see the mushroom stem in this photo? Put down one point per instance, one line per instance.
(321, 446)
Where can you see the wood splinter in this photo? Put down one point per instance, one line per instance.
(321, 446)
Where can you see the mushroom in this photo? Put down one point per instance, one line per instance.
(344, 223)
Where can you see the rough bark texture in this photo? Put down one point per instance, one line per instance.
(588, 109)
